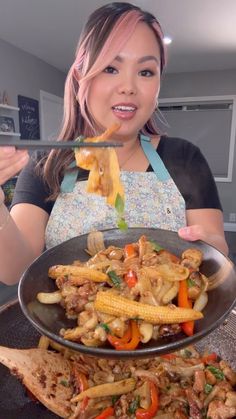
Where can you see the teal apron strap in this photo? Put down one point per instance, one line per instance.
(154, 159)
(70, 178)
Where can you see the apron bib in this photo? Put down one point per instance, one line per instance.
(152, 200)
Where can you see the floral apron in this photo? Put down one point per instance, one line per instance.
(152, 200)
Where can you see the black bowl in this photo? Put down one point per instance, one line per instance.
(49, 319)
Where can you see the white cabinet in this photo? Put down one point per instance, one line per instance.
(6, 109)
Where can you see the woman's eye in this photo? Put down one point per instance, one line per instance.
(110, 70)
(146, 73)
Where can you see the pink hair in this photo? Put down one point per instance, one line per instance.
(80, 75)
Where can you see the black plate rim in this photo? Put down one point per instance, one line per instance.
(137, 353)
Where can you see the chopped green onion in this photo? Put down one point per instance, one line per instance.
(155, 246)
(134, 405)
(116, 280)
(64, 383)
(114, 399)
(187, 353)
(105, 327)
(216, 372)
(208, 388)
(190, 283)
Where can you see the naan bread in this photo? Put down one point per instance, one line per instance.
(45, 374)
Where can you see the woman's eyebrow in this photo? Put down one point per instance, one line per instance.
(140, 60)
(148, 58)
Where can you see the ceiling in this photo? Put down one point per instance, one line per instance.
(203, 31)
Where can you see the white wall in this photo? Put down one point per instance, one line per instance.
(23, 74)
(212, 83)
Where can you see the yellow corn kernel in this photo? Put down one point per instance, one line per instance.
(116, 305)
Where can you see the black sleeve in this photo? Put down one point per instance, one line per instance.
(30, 187)
(191, 173)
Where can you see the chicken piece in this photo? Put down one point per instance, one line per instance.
(192, 258)
(218, 410)
(104, 176)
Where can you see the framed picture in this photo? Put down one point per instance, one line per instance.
(29, 118)
(7, 124)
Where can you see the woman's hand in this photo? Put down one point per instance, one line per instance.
(11, 162)
(193, 232)
(198, 232)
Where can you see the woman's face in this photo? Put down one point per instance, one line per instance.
(127, 90)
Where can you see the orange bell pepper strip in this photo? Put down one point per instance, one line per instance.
(152, 410)
(184, 302)
(81, 381)
(129, 251)
(121, 344)
(109, 411)
(130, 278)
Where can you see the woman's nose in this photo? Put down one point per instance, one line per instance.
(127, 87)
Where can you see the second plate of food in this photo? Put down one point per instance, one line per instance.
(131, 299)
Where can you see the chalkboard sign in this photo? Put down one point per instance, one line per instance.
(29, 118)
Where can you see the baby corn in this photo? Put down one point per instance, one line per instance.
(116, 305)
(108, 389)
(79, 271)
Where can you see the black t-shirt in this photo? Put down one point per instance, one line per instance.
(184, 161)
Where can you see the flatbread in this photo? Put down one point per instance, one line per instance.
(45, 374)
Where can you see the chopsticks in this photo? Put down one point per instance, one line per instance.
(41, 144)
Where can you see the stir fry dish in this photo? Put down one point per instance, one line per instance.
(124, 297)
(104, 176)
(180, 385)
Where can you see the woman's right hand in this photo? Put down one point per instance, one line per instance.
(11, 163)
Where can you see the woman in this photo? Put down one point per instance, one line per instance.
(115, 78)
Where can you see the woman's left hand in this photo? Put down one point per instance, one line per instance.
(198, 232)
(193, 232)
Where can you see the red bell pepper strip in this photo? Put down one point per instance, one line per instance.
(128, 345)
(130, 278)
(152, 410)
(184, 302)
(129, 251)
(84, 404)
(109, 411)
(81, 381)
(114, 340)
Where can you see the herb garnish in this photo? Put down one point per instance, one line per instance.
(120, 209)
(208, 388)
(134, 405)
(105, 327)
(190, 283)
(116, 280)
(64, 383)
(216, 372)
(155, 246)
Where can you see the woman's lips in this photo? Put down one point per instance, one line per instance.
(124, 111)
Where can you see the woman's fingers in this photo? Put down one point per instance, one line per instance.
(11, 162)
(192, 233)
